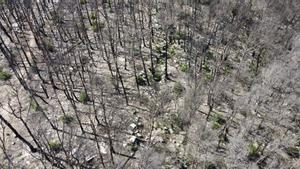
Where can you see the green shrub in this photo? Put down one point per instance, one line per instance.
(140, 80)
(205, 2)
(227, 69)
(178, 89)
(81, 26)
(54, 145)
(83, 97)
(208, 77)
(253, 69)
(95, 26)
(136, 52)
(206, 68)
(180, 35)
(210, 56)
(158, 49)
(4, 76)
(93, 16)
(210, 165)
(176, 123)
(34, 69)
(217, 121)
(293, 152)
(171, 51)
(184, 67)
(34, 106)
(216, 125)
(160, 62)
(67, 119)
(133, 147)
(49, 46)
(217, 118)
(157, 76)
(253, 151)
(207, 72)
(82, 2)
(58, 19)
(101, 25)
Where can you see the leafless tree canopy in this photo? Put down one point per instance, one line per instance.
(149, 84)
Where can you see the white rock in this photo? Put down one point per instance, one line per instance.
(158, 139)
(103, 148)
(204, 108)
(74, 150)
(90, 159)
(132, 139)
(132, 126)
(182, 133)
(15, 25)
(140, 124)
(178, 139)
(172, 147)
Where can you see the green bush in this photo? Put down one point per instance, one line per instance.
(205, 2)
(216, 125)
(140, 80)
(136, 52)
(4, 76)
(81, 26)
(158, 49)
(157, 76)
(206, 68)
(34, 69)
(180, 35)
(207, 72)
(178, 89)
(209, 55)
(67, 119)
(82, 2)
(171, 51)
(34, 106)
(253, 68)
(184, 67)
(93, 16)
(293, 152)
(58, 19)
(227, 69)
(54, 145)
(83, 97)
(253, 151)
(176, 123)
(101, 25)
(160, 62)
(217, 118)
(49, 46)
(133, 147)
(97, 26)
(217, 121)
(208, 77)
(210, 165)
